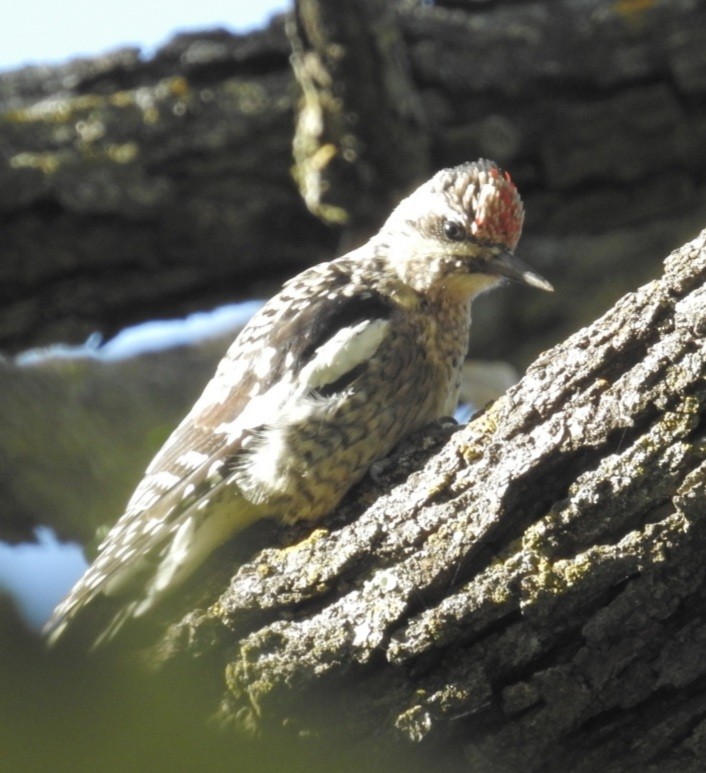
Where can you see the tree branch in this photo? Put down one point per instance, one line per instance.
(135, 188)
(534, 586)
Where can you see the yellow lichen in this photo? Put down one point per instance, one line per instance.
(122, 153)
(47, 163)
(178, 86)
(632, 9)
(313, 538)
(440, 486)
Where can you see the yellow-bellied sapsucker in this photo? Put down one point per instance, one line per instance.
(330, 374)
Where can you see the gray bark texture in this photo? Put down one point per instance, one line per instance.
(531, 596)
(522, 594)
(134, 188)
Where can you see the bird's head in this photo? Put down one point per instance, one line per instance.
(456, 233)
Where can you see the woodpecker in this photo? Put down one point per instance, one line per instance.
(346, 360)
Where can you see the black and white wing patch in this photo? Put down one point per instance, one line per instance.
(311, 340)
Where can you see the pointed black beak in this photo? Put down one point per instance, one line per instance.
(509, 265)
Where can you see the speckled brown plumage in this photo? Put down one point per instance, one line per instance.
(349, 357)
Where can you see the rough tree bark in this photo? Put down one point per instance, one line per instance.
(133, 188)
(531, 598)
(525, 592)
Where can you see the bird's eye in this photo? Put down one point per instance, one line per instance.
(453, 231)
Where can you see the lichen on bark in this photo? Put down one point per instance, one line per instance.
(537, 573)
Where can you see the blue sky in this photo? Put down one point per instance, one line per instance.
(44, 31)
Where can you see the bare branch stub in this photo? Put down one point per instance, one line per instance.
(361, 138)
